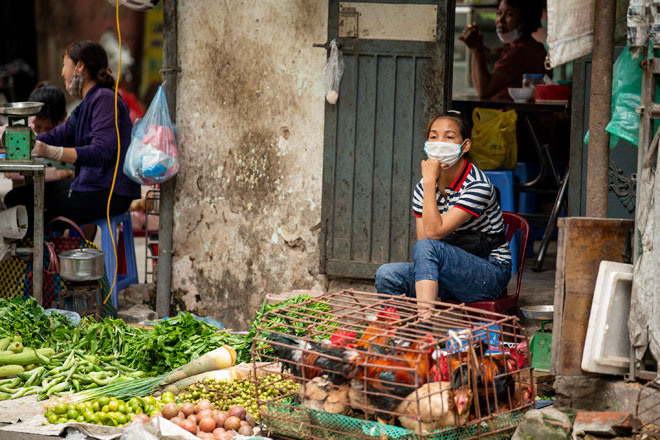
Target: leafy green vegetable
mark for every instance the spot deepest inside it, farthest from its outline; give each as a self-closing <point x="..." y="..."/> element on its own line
<point x="175" y="342"/>
<point x="28" y="318"/>
<point x="172" y="343"/>
<point x="297" y="317"/>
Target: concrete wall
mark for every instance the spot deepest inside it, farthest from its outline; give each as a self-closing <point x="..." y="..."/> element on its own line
<point x="250" y="108"/>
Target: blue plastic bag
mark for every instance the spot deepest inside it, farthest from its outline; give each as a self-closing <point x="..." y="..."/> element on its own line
<point x="152" y="157"/>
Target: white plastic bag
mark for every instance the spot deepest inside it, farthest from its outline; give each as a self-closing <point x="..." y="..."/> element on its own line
<point x="152" y="157"/>
<point x="334" y="68"/>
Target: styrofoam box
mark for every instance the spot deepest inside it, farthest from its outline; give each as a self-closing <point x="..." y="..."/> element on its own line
<point x="607" y="345"/>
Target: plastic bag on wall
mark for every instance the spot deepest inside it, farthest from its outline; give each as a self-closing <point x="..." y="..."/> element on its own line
<point x="626" y="91"/>
<point x="334" y="68"/>
<point x="152" y="157"/>
<point x="494" y="141"/>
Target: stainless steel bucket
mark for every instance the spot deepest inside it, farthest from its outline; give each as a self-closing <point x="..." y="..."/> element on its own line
<point x="82" y="264"/>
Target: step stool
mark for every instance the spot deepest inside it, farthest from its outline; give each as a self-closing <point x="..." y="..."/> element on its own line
<point x="527" y="200"/>
<point x="503" y="181"/>
<point x="127" y="256"/>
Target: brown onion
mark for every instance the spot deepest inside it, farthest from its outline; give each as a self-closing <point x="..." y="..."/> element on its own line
<point x="207" y="424"/>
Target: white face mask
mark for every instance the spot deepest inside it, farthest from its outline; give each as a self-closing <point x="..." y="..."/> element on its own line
<point x="446" y="152"/>
<point x="508" y="37"/>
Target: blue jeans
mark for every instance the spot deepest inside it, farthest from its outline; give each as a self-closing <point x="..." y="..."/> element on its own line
<point x="461" y="276"/>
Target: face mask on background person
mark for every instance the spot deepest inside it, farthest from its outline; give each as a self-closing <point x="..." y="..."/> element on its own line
<point x="76" y="84"/>
<point x="508" y="37"/>
<point x="445" y="152"/>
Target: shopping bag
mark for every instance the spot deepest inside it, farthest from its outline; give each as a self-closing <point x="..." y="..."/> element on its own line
<point x="152" y="157"/>
<point x="494" y="142"/>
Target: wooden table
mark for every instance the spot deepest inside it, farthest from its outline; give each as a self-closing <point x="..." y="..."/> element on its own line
<point x="36" y="169"/>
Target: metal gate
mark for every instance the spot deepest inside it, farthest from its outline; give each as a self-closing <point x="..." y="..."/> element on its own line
<point x="397" y="73"/>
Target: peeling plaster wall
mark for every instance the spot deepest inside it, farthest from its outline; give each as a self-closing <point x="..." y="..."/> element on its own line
<point x="250" y="108"/>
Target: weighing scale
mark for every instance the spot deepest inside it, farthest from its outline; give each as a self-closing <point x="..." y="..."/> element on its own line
<point x="18" y="138"/>
<point x="541" y="343"/>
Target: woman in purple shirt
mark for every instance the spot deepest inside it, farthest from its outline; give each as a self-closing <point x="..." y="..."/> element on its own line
<point x="87" y="139"/>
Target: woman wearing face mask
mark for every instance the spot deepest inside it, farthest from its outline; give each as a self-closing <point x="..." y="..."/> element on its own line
<point x="88" y="139"/>
<point x="461" y="252"/>
<point x="516" y="20"/>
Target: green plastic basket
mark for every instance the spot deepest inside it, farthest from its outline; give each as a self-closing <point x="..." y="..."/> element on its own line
<point x="304" y="423"/>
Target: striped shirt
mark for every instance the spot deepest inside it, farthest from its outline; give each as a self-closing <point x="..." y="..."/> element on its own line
<point x="473" y="193"/>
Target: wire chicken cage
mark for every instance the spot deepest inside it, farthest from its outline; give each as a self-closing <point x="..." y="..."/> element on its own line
<point x="648" y="401"/>
<point x="372" y="365"/>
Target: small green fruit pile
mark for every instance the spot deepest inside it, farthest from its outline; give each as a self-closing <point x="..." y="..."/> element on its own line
<point x="225" y="395"/>
<point x="108" y="411"/>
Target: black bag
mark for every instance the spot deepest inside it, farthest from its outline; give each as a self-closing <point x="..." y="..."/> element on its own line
<point x="475" y="242"/>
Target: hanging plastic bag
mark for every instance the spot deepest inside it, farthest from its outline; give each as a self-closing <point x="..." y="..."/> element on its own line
<point x="152" y="157"/>
<point x="334" y="68"/>
<point x="494" y="142"/>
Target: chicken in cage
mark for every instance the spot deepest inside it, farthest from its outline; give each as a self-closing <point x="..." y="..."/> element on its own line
<point x="389" y="366"/>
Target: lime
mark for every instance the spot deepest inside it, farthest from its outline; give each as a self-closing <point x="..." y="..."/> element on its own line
<point x="62" y="420"/>
<point x="89" y="416"/>
<point x="52" y="418"/>
<point x="72" y="414"/>
<point x="134" y="401"/>
<point x="96" y="407"/>
<point x="105" y="408"/>
<point x="113" y="405"/>
<point x="60" y="408"/>
<point x="80" y="419"/>
<point x="121" y="419"/>
<point x="149" y="400"/>
<point x="122" y="407"/>
<point x="167" y="397"/>
<point x="103" y="401"/>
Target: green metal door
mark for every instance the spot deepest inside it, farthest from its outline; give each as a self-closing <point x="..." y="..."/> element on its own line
<point x="374" y="135"/>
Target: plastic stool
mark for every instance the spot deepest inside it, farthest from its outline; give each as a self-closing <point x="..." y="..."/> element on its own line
<point x="503" y="181"/>
<point x="131" y="275"/>
<point x="526" y="199"/>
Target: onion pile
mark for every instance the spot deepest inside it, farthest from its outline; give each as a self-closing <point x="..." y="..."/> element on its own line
<point x="206" y="423"/>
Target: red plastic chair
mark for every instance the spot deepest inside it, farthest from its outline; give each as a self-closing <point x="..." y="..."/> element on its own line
<point x="508" y="305"/>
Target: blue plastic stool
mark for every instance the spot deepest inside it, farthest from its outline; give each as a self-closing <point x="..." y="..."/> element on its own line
<point x="131" y="275"/>
<point x="527" y="200"/>
<point x="503" y="181"/>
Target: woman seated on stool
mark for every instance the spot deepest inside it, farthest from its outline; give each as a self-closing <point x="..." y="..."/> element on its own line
<point x="87" y="139"/>
<point x="516" y="20"/>
<point x="454" y="203"/>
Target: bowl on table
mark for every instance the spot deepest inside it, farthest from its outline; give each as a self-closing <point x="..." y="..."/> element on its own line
<point x="521" y="94"/>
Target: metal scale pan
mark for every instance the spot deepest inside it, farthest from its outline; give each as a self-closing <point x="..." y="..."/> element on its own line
<point x="20" y="108"/>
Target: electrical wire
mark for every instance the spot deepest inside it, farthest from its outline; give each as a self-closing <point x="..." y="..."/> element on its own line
<point x="114" y="177"/>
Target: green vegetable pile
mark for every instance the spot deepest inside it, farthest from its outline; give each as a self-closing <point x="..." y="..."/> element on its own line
<point x="28" y="319"/>
<point x="308" y="312"/>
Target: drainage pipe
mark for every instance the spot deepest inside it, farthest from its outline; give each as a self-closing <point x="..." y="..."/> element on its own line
<point x="600" y="99"/>
<point x="166" y="221"/>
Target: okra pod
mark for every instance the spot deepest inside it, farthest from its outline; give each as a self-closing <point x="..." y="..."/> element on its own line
<point x="57" y="388"/>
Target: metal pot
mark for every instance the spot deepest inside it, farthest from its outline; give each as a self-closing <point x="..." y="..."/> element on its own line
<point x="82" y="264"/>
